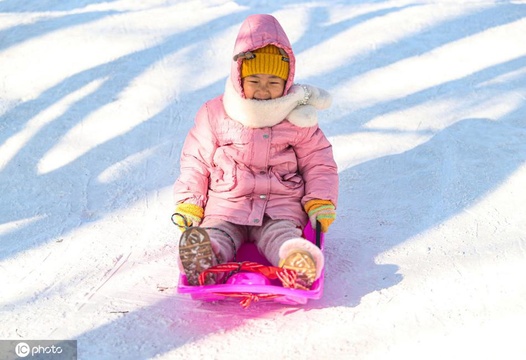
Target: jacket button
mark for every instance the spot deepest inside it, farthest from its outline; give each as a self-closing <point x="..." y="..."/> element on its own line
<point x="265" y="136"/>
<point x="256" y="221"/>
<point x="262" y="196"/>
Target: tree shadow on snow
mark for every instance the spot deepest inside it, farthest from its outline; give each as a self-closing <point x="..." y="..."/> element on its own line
<point x="65" y="198"/>
<point x="396" y="197"/>
<point x="393" y="198"/>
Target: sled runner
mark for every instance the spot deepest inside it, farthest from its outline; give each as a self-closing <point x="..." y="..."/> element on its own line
<point x="251" y="278"/>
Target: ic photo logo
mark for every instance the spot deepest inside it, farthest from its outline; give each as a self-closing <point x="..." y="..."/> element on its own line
<point x="22" y="349"/>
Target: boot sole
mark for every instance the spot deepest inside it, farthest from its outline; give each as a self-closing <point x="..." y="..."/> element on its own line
<point x="304" y="265"/>
<point x="195" y="252"/>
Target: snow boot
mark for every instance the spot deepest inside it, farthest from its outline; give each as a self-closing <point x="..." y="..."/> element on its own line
<point x="196" y="255"/>
<point x="303" y="257"/>
<point x="302" y="262"/>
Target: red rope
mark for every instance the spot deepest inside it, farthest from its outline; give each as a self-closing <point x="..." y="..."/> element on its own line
<point x="286" y="276"/>
<point x="247" y="297"/>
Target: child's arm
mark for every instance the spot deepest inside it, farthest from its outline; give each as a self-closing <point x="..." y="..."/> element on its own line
<point x="195" y="163"/>
<point x="320" y="175"/>
<point x="317" y="167"/>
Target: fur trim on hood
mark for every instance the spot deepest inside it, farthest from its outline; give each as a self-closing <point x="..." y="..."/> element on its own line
<point x="299" y="106"/>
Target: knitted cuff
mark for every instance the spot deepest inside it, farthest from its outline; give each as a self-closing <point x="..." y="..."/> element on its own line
<point x="316" y="203"/>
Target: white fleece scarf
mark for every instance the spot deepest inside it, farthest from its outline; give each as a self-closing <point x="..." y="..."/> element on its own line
<point x="299" y="107"/>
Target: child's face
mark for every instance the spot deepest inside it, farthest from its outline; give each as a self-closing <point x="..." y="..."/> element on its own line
<point x="263" y="86"/>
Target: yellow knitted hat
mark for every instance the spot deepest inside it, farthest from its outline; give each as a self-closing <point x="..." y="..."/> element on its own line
<point x="266" y="60"/>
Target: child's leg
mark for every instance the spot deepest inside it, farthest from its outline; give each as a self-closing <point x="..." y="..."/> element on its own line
<point x="271" y="235"/>
<point x="226" y="238"/>
<point x="281" y="243"/>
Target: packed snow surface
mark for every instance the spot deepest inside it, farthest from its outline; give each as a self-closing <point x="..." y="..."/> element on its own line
<point x="427" y="259"/>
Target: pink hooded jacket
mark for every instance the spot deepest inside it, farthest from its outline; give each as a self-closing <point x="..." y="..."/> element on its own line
<point x="245" y="158"/>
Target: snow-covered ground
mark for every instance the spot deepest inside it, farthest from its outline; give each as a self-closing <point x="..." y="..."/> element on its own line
<point x="427" y="259"/>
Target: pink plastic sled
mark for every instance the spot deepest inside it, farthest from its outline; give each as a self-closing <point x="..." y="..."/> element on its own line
<point x="249" y="286"/>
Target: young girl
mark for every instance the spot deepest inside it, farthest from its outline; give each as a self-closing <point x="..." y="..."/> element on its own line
<point x="255" y="166"/>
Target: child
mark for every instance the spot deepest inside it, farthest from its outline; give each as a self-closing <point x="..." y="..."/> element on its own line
<point x="255" y="166"/>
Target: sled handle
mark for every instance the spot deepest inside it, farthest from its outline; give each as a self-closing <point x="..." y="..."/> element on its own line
<point x="318" y="234"/>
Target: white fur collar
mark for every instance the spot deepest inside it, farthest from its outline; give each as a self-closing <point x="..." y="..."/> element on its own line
<point x="299" y="107"/>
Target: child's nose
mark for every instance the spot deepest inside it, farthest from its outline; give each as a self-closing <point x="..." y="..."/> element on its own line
<point x="263" y="92"/>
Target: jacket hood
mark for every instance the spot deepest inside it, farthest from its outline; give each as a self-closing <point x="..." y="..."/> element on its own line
<point x="256" y="32"/>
